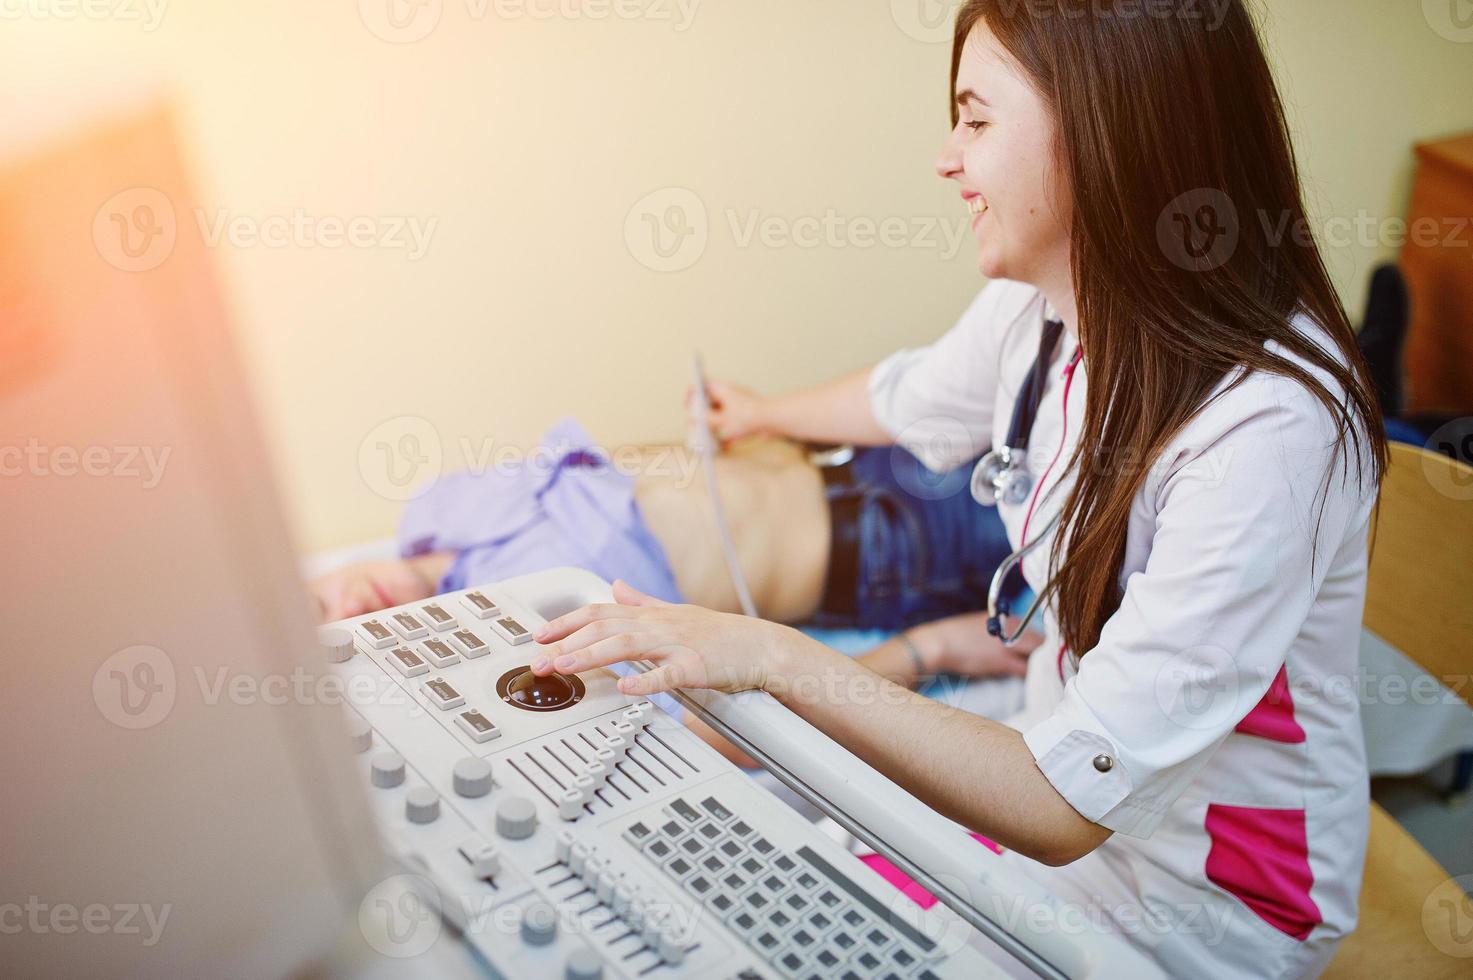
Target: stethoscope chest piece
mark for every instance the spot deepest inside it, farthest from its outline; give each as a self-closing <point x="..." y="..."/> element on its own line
<point x="1002" y="477"/>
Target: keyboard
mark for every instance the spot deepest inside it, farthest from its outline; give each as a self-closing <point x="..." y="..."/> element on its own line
<point x="567" y="830"/>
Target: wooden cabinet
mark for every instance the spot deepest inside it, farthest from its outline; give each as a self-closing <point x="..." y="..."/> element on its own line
<point x="1438" y="262"/>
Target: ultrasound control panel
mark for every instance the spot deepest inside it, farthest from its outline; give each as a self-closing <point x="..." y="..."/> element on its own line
<point x="567" y="830"/>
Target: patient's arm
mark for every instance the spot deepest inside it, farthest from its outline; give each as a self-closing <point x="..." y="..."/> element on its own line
<point x="369" y="586"/>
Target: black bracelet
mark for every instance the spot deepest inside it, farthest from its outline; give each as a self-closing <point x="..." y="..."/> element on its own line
<point x="915" y="655"/>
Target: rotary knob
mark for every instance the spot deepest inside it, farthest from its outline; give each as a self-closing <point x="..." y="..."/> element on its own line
<point x="337" y="644"/>
<point x="360" y="734"/>
<point x="388" y="770"/>
<point x="539" y="924"/>
<point x="422" y="805"/>
<point x="583" y="964"/>
<point x="472" y="777"/>
<point x="516" y="818"/>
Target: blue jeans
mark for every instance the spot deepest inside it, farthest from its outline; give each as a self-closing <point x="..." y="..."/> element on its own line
<point x="926" y="549"/>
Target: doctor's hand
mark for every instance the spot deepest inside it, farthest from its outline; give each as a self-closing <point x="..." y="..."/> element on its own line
<point x="690" y="646"/>
<point x="736" y="412"/>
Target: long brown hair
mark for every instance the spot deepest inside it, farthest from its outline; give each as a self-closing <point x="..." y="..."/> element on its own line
<point x="1157" y="114"/>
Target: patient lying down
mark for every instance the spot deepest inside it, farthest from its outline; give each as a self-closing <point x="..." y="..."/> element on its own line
<point x="878" y="543"/>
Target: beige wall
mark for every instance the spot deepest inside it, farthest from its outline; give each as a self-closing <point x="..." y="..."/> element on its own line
<point x="528" y="142"/>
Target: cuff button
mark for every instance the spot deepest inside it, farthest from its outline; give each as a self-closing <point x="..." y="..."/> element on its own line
<point x="1103" y="763"/>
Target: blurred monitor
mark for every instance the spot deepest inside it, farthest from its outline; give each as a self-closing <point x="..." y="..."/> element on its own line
<point x="165" y="812"/>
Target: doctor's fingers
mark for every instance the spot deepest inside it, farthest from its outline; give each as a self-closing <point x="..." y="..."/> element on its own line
<point x="565" y="625"/>
<point x="656" y="681"/>
<point x="627" y="645"/>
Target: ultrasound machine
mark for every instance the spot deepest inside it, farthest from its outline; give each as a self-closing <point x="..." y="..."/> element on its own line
<point x="394" y="794"/>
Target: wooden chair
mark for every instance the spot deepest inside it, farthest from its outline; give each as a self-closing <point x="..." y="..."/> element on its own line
<point x="1420" y="600"/>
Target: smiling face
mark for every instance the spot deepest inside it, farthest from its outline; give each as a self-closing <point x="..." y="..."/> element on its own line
<point x="1001" y="154"/>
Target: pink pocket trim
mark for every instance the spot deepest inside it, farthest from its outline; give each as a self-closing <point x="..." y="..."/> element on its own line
<point x="905" y="883"/>
<point x="1262" y="858"/>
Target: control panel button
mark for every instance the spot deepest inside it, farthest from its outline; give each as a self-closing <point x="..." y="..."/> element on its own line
<point x="583" y="964"/>
<point x="470" y="644"/>
<point x="482" y="607"/>
<point x="437" y="617"/>
<point x="376" y="634"/>
<point x="336" y="643"/>
<point x="360" y="734"/>
<point x="472" y="777"/>
<point x="484" y="858"/>
<point x="422" y="805"/>
<point x="439" y="652"/>
<point x="539" y="924"/>
<point x="407" y="625"/>
<point x="409" y="663"/>
<point x="511" y="631"/>
<point x="477" y="726"/>
<point x="570" y="805"/>
<point x="442" y="695"/>
<point x="516" y="818"/>
<point x="388" y="770"/>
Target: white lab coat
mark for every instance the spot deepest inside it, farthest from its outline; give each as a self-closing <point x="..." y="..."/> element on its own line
<point x="1215" y="728"/>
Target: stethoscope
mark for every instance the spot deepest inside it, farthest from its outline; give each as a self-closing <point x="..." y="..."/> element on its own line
<point x="1003" y="476"/>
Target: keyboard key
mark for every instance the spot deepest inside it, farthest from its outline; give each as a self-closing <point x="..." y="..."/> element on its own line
<point x="742" y="829"/>
<point x="763" y="846"/>
<point x="752" y="866"/>
<point x="784" y="864"/>
<point x="722" y="903"/>
<point x="774" y="885"/>
<point x="436" y="616"/>
<point x="439" y="653"/>
<point x="780" y="920"/>
<point x="744" y="923"/>
<point x="685" y="811"/>
<point x="672" y="829"/>
<point x="805" y="938"/>
<point x="637" y="833"/>
<point x="377" y="634"/>
<point x="407" y="625"/>
<point x="713" y="864"/>
<point x="768" y="943"/>
<point x="735" y="881"/>
<point x="867" y="960"/>
<point x="792" y="962"/>
<point x="733" y="851"/>
<point x="511" y="631"/>
<point x="659" y="849"/>
<point x="843" y="940"/>
<point x="409" y="663"/>
<point x="830" y="899"/>
<point x="853" y="918"/>
<point x="477" y="726"/>
<point x="903" y="958"/>
<point x="797" y="903"/>
<point x="442" y="695"/>
<point x="692" y="847"/>
<point x="712" y="806"/>
<point x="470" y="644"/>
<point x="700" y="885"/>
<point x="756" y="901"/>
<point x="821" y="922"/>
<point x="826" y="958"/>
<point x="679" y="868"/>
<point x="482" y="607"/>
<point x="708" y="831"/>
<point x="806" y="880"/>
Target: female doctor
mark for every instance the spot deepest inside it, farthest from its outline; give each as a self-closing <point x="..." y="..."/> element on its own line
<point x="1178" y="389"/>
